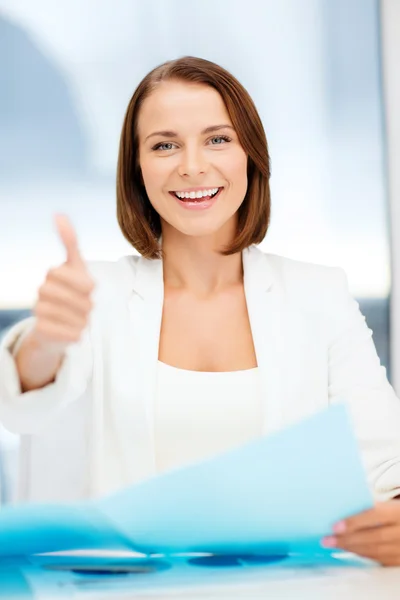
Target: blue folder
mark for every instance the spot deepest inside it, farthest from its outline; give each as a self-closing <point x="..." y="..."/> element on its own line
<point x="278" y="494"/>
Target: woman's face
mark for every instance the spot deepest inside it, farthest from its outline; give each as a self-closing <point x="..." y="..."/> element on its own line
<point x="193" y="166"/>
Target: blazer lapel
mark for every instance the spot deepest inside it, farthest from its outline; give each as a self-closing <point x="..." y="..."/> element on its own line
<point x="264" y="303"/>
<point x="146" y="304"/>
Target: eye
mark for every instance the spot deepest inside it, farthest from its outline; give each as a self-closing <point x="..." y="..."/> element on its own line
<point x="218" y="140"/>
<point x="164" y="146"/>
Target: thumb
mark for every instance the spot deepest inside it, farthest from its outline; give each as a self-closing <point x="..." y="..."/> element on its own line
<point x="68" y="237"/>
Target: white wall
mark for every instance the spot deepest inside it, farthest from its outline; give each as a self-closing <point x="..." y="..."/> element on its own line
<point x="390" y="14"/>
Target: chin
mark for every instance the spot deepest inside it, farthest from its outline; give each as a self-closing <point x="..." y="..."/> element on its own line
<point x="201" y="231"/>
<point x="201" y="228"/>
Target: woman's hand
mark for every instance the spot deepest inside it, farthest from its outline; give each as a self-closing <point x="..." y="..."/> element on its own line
<point x="62" y="313"/>
<point x="373" y="534"/>
<point x="64" y="300"/>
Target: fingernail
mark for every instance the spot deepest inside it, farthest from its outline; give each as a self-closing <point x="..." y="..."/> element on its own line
<point x="329" y="542"/>
<point x="339" y="527"/>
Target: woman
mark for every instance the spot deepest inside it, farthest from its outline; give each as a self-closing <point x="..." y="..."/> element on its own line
<point x="203" y="342"/>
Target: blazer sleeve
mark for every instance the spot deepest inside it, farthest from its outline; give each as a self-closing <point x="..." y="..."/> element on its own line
<point x="357" y="376"/>
<point x="30" y="412"/>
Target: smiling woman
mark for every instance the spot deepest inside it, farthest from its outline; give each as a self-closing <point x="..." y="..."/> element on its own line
<point x="193" y="163"/>
<point x="190" y="129"/>
<point x="203" y="342"/>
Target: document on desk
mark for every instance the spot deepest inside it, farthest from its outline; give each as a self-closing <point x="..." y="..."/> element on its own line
<point x="275" y="495"/>
<point x="75" y="577"/>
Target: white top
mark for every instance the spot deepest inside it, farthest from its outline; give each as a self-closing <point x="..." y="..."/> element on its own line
<point x="92" y="430"/>
<point x="200" y="414"/>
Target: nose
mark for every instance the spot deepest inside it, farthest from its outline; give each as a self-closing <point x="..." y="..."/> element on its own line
<point x="193" y="163"/>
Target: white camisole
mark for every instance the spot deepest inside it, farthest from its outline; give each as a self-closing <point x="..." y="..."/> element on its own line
<point x="200" y="414"/>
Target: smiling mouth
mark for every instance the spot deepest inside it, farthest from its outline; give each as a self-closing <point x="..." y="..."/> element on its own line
<point x="199" y="196"/>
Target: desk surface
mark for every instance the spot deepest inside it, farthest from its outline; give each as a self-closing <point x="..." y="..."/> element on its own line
<point x="292" y="579"/>
<point x="381" y="584"/>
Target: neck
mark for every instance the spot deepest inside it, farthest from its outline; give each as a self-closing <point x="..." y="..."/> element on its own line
<point x="197" y="265"/>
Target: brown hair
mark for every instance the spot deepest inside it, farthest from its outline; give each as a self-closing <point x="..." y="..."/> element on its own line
<point x="138" y="220"/>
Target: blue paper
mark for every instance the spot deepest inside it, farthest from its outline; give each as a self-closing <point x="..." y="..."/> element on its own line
<point x="275" y="495"/>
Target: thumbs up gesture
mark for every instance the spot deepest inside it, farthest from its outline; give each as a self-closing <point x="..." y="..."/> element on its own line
<point x="64" y="299"/>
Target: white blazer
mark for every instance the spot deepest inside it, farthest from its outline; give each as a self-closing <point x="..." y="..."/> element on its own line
<point x="91" y="431"/>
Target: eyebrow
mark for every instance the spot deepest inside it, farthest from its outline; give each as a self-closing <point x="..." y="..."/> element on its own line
<point x="172" y="134"/>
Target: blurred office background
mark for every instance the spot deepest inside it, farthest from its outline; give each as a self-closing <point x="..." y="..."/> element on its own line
<point x="315" y="70"/>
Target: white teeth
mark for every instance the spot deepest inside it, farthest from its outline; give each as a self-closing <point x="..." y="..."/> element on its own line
<point x="199" y="194"/>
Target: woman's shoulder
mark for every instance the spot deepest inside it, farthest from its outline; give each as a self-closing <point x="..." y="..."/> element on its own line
<point x="293" y="270"/>
<point x="114" y="278"/>
<point x="119" y="270"/>
<point x="303" y="279"/>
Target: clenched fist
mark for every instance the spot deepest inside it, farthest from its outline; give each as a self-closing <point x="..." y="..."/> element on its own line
<point x="64" y="300"/>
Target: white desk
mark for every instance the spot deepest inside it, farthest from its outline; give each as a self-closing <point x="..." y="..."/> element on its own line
<point x="377" y="585"/>
<point x="289" y="580"/>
